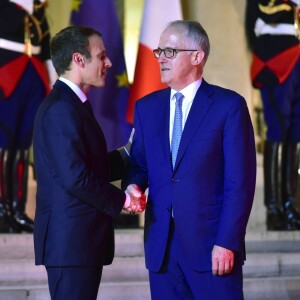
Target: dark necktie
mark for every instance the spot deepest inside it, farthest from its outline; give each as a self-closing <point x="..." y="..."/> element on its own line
<point x="177" y="127"/>
<point x="88" y="106"/>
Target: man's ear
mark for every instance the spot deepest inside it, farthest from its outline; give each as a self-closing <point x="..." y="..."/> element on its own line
<point x="198" y="57"/>
<point x="78" y="59"/>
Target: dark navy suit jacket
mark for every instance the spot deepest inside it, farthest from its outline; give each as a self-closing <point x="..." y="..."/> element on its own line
<point x="212" y="186"/>
<point x="75" y="202"/>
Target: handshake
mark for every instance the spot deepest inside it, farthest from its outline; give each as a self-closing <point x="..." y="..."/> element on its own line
<point x="137" y="200"/>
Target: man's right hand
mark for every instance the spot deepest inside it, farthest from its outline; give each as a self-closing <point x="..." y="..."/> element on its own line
<point x="222" y="260"/>
<point x="137" y="199"/>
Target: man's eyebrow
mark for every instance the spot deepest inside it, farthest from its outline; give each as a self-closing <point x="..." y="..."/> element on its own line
<point x="101" y="53"/>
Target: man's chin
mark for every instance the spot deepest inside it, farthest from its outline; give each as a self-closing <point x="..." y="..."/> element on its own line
<point x="164" y="80"/>
<point x="100" y="84"/>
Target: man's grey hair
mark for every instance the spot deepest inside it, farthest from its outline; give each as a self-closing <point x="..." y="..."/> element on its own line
<point x="196" y="35"/>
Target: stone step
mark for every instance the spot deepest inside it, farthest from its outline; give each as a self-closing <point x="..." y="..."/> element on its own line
<point x="112" y="291"/>
<point x="284" y="288"/>
<point x="272" y="265"/>
<point x="272" y="269"/>
<point x="129" y="242"/>
<point x="23" y="271"/>
<point x="129" y="269"/>
<point x="268" y="254"/>
<point x="272" y="241"/>
<point x="272" y="288"/>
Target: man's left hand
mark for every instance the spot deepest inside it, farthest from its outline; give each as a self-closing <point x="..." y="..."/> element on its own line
<point x="222" y="260"/>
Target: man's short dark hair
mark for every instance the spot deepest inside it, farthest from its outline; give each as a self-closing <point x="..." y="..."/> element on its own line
<point x="68" y="41"/>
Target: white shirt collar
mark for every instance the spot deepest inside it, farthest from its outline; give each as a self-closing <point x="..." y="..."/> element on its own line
<point x="188" y="92"/>
<point x="75" y="88"/>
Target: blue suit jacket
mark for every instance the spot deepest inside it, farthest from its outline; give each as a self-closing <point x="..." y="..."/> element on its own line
<point x="75" y="202"/>
<point x="212" y="186"/>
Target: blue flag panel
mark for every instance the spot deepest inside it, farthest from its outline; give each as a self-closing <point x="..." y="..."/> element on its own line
<point x="109" y="103"/>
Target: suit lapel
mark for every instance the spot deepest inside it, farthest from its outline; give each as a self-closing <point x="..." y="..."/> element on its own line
<point x="162" y="120"/>
<point x="80" y="106"/>
<point x="200" y="107"/>
<point x="165" y="142"/>
<point x="166" y="130"/>
<point x="90" y="116"/>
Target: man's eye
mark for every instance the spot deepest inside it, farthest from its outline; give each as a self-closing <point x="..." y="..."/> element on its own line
<point x="168" y="51"/>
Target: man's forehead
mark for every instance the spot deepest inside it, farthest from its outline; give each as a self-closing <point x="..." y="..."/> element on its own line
<point x="96" y="40"/>
<point x="171" y="38"/>
<point x="96" y="44"/>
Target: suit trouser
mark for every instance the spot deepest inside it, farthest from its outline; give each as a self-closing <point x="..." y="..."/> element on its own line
<point x="178" y="281"/>
<point x="74" y="283"/>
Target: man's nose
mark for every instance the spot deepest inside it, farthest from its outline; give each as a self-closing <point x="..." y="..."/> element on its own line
<point x="108" y="62"/>
<point x="162" y="57"/>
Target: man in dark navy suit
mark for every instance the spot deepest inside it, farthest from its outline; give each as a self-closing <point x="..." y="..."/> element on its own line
<point x="194" y="148"/>
<point x="76" y="204"/>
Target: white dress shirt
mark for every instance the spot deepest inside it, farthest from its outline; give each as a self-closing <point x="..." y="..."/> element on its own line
<point x="75" y="88"/>
<point x="189" y="93"/>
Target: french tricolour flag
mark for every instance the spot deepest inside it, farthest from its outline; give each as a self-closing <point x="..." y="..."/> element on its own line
<point x="156" y="15"/>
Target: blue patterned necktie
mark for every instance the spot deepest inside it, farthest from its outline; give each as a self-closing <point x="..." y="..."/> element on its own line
<point x="177" y="127"/>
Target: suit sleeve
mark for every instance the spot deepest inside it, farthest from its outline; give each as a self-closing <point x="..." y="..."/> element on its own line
<point x="117" y="166"/>
<point x="137" y="173"/>
<point x="239" y="176"/>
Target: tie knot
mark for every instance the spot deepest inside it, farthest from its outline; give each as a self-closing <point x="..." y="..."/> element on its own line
<point x="179" y="97"/>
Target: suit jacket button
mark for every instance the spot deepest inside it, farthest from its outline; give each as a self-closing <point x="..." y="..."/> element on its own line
<point x="174" y="180"/>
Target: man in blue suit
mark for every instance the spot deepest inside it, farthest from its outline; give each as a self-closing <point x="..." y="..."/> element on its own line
<point x="194" y="148"/>
<point x="75" y="203"/>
